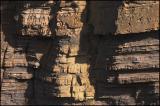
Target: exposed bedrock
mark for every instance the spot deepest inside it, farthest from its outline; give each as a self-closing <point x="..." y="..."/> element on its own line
<point x="78" y="52"/>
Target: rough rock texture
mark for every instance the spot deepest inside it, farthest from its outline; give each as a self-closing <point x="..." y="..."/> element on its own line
<point x="125" y="17"/>
<point x="78" y="52"/>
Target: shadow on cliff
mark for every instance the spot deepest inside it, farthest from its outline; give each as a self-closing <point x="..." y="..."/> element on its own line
<point x="29" y="46"/>
<point x="88" y="48"/>
<point x="96" y="44"/>
<point x="9" y="26"/>
<point x="93" y="47"/>
<point x="99" y="23"/>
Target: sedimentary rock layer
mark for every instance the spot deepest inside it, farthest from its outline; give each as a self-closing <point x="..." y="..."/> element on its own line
<point x="80" y="52"/>
<point x="131" y="17"/>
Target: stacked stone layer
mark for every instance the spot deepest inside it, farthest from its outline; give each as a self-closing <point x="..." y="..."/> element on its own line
<point x="78" y="52"/>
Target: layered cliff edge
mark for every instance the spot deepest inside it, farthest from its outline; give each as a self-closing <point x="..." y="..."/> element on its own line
<point x="78" y="52"/>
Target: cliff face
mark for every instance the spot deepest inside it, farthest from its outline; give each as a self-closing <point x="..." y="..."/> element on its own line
<point x="78" y="52"/>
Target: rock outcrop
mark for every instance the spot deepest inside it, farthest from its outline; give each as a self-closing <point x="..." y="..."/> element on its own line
<point x="80" y="52"/>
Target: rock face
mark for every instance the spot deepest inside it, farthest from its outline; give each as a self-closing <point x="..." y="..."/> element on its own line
<point x="78" y="52"/>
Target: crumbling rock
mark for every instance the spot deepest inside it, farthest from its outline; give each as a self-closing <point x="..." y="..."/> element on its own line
<point x="80" y="53"/>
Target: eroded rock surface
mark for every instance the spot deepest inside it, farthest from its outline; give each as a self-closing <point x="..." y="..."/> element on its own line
<point x="78" y="52"/>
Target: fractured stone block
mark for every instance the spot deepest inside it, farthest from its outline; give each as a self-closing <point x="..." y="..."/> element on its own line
<point x="138" y="77"/>
<point x="11" y="84"/>
<point x="78" y="93"/>
<point x="18" y="73"/>
<point x="78" y="68"/>
<point x="60" y="68"/>
<point x="64" y="79"/>
<point x="74" y="68"/>
<point x="124" y="18"/>
<point x="148" y="44"/>
<point x="137" y="18"/>
<point x="35" y="22"/>
<point x="63" y="91"/>
<point x="136" y="61"/>
<point x="69" y="21"/>
<point x="76" y="5"/>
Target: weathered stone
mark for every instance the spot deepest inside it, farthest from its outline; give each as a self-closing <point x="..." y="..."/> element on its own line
<point x="63" y="91"/>
<point x="64" y="80"/>
<point x="15" y="60"/>
<point x="134" y="18"/>
<point x="78" y="93"/>
<point x="129" y="62"/>
<point x="90" y="92"/>
<point x="35" y="22"/>
<point x="61" y="59"/>
<point x="66" y="52"/>
<point x="68" y="32"/>
<point x="2" y="72"/>
<point x="74" y="68"/>
<point x="123" y="18"/>
<point x="145" y="45"/>
<point x="60" y="68"/>
<point x="18" y="73"/>
<point x="71" y="20"/>
<point x="3" y="48"/>
<point x="73" y="50"/>
<point x="14" y="85"/>
<point x="138" y="77"/>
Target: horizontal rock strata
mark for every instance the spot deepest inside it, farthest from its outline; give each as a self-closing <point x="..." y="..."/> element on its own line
<point x="80" y="53"/>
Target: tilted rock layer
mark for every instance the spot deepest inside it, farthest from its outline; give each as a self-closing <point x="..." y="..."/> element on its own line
<point x="80" y="52"/>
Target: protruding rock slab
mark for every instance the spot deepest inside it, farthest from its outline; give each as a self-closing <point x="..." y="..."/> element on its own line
<point x="124" y="17"/>
<point x="138" y="77"/>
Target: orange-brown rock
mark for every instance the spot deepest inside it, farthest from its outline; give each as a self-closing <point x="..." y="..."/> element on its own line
<point x="80" y="52"/>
